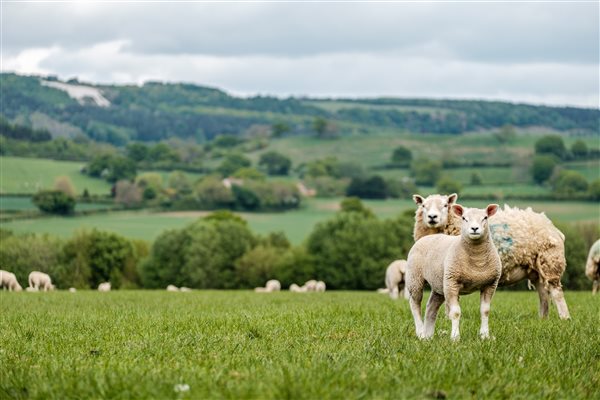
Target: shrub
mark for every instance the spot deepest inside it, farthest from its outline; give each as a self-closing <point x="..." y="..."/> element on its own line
<point x="551" y="145"/>
<point x="127" y="193"/>
<point x="401" y="188"/>
<point x="476" y="179"/>
<point x="245" y="199"/>
<point x="543" y="167"/>
<point x="576" y="254"/>
<point x="353" y="204"/>
<point x="426" y="172"/>
<point x="327" y="186"/>
<point x="232" y="163"/>
<point x="401" y="157"/>
<point x="579" y="149"/>
<point x="257" y="266"/>
<point x="249" y="173"/>
<point x="448" y="185"/>
<point x="370" y="188"/>
<point x="54" y="202"/>
<point x="506" y="134"/>
<point x="211" y="193"/>
<point x="64" y="184"/>
<point x="569" y="183"/>
<point x="594" y="190"/>
<point x="275" y="163"/>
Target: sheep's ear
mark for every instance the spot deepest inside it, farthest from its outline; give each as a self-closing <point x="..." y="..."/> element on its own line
<point x="418" y="199"/>
<point x="491" y="209"/>
<point x="458" y="209"/>
<point x="452" y="198"/>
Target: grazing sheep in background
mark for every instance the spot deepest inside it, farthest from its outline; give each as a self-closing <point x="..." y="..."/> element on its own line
<point x="272" y="285"/>
<point x="530" y="246"/>
<point x="310" y="286"/>
<point x="172" y="288"/>
<point x="185" y="289"/>
<point x="592" y="266"/>
<point x="104" y="287"/>
<point x="320" y="286"/>
<point x="40" y="281"/>
<point x="9" y="281"/>
<point x="383" y="290"/>
<point x="454" y="265"/>
<point x="72" y="290"/>
<point x="296" y="289"/>
<point x="30" y="289"/>
<point x="394" y="278"/>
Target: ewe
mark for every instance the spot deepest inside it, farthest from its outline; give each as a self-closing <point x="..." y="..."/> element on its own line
<point x="272" y="285"/>
<point x="320" y="286"/>
<point x="40" y="281"/>
<point x="592" y="266"/>
<point x="296" y="289"/>
<point x="8" y="280"/>
<point x="394" y="278"/>
<point x="310" y="286"/>
<point x="104" y="287"/>
<point x="454" y="265"/>
<point x="172" y="288"/>
<point x="530" y="246"/>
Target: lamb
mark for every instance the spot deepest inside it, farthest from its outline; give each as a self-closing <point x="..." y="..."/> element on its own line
<point x="592" y="266"/>
<point x="320" y="286"/>
<point x="272" y="285"/>
<point x="394" y="278"/>
<point x="530" y="246"/>
<point x="172" y="288"/>
<point x="454" y="265"/>
<point x="310" y="286"/>
<point x="296" y="289"/>
<point x="9" y="281"/>
<point x="40" y="281"/>
<point x="185" y="289"/>
<point x="72" y="290"/>
<point x="104" y="287"/>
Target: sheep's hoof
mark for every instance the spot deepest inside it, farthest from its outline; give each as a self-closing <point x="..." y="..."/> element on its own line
<point x="484" y="336"/>
<point x="455" y="338"/>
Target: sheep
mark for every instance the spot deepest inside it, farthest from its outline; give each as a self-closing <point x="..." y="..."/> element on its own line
<point x="104" y="287"/>
<point x="272" y="285"/>
<point x="454" y="265"/>
<point x="172" y="288"/>
<point x="185" y="289"/>
<point x="40" y="281"/>
<point x="592" y="266"/>
<point x="310" y="286"/>
<point x="394" y="278"/>
<point x="320" y="286"/>
<point x="9" y="281"/>
<point x="72" y="290"/>
<point x="30" y="289"/>
<point x="296" y="289"/>
<point x="383" y="290"/>
<point x="530" y="246"/>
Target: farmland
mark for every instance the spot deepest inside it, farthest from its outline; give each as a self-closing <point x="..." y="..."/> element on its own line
<point x="296" y="224"/>
<point x="239" y="344"/>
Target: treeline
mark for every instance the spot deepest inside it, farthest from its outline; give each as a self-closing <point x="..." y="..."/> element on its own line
<point x="20" y="132"/>
<point x="156" y="111"/>
<point x="350" y="251"/>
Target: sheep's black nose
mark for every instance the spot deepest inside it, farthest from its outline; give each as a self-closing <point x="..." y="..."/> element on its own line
<point x="474" y="229"/>
<point x="432" y="217"/>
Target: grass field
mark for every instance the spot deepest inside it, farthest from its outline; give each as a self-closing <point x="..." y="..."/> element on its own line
<point x="297" y="225"/>
<point x="22" y="203"/>
<point x="28" y="175"/>
<point x="142" y="344"/>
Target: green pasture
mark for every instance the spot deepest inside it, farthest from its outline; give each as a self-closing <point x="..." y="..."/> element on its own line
<point x="24" y="203"/>
<point x="297" y="224"/>
<point x="28" y="175"/>
<point x="241" y="344"/>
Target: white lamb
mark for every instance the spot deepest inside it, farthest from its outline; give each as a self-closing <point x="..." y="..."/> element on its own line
<point x="72" y="290"/>
<point x="40" y="281"/>
<point x="272" y="285"/>
<point x="9" y="281"/>
<point x="592" y="266"/>
<point x="104" y="287"/>
<point x="394" y="278"/>
<point x="310" y="286"/>
<point x="296" y="289"/>
<point x="320" y="286"/>
<point x="172" y="288"/>
<point x="454" y="265"/>
<point x="185" y="289"/>
<point x="530" y="246"/>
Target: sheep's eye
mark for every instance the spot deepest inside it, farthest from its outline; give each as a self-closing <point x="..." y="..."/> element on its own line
<point x="445" y="205"/>
<point x="464" y="219"/>
<point x="484" y="218"/>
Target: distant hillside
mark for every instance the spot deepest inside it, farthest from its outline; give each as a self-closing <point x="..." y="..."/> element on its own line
<point x="155" y="111"/>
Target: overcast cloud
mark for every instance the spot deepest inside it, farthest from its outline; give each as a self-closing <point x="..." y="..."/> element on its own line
<point x="544" y="53"/>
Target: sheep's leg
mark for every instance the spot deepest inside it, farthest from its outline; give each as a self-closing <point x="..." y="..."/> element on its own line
<point x="415" y="306"/>
<point x="394" y="293"/>
<point x="453" y="308"/>
<point x="543" y="293"/>
<point x="595" y="286"/>
<point x="431" y="312"/>
<point x="484" y="309"/>
<point x="559" y="299"/>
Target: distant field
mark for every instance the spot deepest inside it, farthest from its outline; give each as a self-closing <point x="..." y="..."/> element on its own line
<point x="296" y="224"/>
<point x="24" y="203"/>
<point x="240" y="344"/>
<point x="28" y="175"/>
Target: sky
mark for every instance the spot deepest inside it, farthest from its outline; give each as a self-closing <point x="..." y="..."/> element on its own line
<point x="534" y="52"/>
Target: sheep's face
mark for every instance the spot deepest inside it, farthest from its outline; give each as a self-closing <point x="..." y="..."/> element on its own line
<point x="434" y="209"/>
<point x="474" y="220"/>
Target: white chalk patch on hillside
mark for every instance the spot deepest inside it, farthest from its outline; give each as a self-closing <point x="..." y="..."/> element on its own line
<point x="80" y="93"/>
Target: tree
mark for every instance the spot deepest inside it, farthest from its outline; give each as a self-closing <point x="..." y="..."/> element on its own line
<point x="448" y="185"/>
<point x="275" y="163"/>
<point x="211" y="193"/>
<point x="551" y="145"/>
<point x="179" y="182"/>
<point x="64" y="184"/>
<point x="320" y="126"/>
<point x="426" y="172"/>
<point x="232" y="163"/>
<point x="279" y="128"/>
<point x="137" y="151"/>
<point x="54" y="202"/>
<point x="506" y="134"/>
<point x="121" y="168"/>
<point x="162" y="152"/>
<point x="353" y="204"/>
<point x="569" y="183"/>
<point x="370" y="188"/>
<point x="245" y="199"/>
<point x="476" y="179"/>
<point x="127" y="193"/>
<point x="594" y="190"/>
<point x="579" y="149"/>
<point x="249" y="173"/>
<point x="401" y="157"/>
<point x="257" y="266"/>
<point x="543" y="167"/>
